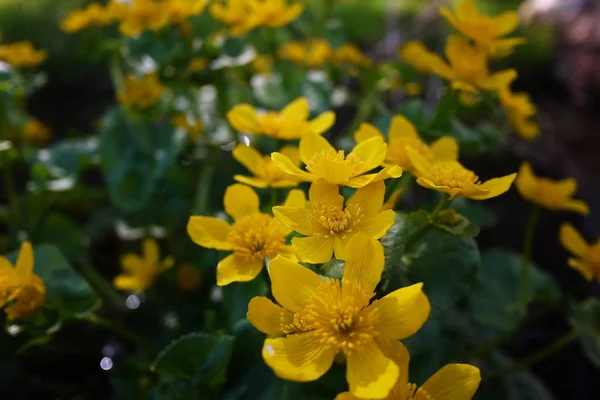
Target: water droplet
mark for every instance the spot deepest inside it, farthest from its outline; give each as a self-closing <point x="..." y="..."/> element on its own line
<point x="132" y="302"/>
<point x="270" y="349"/>
<point x="106" y="363"/>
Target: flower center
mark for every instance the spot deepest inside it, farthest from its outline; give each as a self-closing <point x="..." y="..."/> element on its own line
<point x="256" y="236"/>
<point x="334" y="166"/>
<point x="453" y="175"/>
<point x="415" y="393"/>
<point x="334" y="220"/>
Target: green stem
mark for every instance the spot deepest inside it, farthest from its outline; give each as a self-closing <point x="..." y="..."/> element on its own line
<point x="525" y="278"/>
<point x="102" y="288"/>
<point x="538" y="356"/>
<point x="116" y="73"/>
<point x="204" y="181"/>
<point x="124" y="332"/>
<point x="423" y="229"/>
<point x="441" y="206"/>
<point x="274" y="197"/>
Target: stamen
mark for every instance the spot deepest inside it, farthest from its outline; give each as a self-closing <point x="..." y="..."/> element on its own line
<point x="256" y="236"/>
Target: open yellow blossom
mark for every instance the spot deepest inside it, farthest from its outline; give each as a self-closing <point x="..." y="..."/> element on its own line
<point x="142" y="15"/>
<point x="349" y="54"/>
<point x="178" y="11"/>
<point x="36" y="132"/>
<point x="486" y="31"/>
<point x="520" y="109"/>
<point x="452" y="178"/>
<point x="324" y="162"/>
<point x="288" y="124"/>
<point x="253" y="236"/>
<point x="141" y="93"/>
<point x="549" y="193"/>
<point x="266" y="174"/>
<point x="311" y="53"/>
<point x="274" y="13"/>
<point x="22" y="54"/>
<point x="451" y="382"/>
<point x="193" y="128"/>
<point x="402" y="134"/>
<point x="22" y="292"/>
<point x="329" y="225"/>
<point x="318" y="318"/>
<point x="93" y="15"/>
<point x="586" y="256"/>
<point x="467" y="69"/>
<point x="140" y="272"/>
<point x="235" y="15"/>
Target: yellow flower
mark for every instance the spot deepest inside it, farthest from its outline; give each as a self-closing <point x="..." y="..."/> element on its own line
<point x="311" y="53"/>
<point x="93" y="15"/>
<point x="142" y="271"/>
<point x="586" y="256"/>
<point x="274" y="13"/>
<point x="141" y="93"/>
<point x="329" y="225"/>
<point x="467" y="69"/>
<point x="402" y="134"/>
<point x="178" y="11"/>
<point x="35" y="131"/>
<point x="319" y="318"/>
<point x="266" y="174"/>
<point x="22" y="55"/>
<point x="143" y="15"/>
<point x="262" y="64"/>
<point x="486" y="31"/>
<point x="193" y="128"/>
<point x="350" y="54"/>
<point x="188" y="278"/>
<point x="253" y="236"/>
<point x="197" y="64"/>
<point x="451" y="382"/>
<point x="22" y="292"/>
<point x="548" y="193"/>
<point x="235" y="14"/>
<point x="324" y="162"/>
<point x="452" y="178"/>
<point x="290" y="123"/>
<point x="519" y="109"/>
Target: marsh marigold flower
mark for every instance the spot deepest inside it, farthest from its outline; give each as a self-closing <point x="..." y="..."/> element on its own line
<point x="452" y="178"/>
<point x="349" y="54"/>
<point x="22" y="55"/>
<point x="253" y="236"/>
<point x="22" y="292"/>
<point x="275" y="13"/>
<point x="311" y="53"/>
<point x="36" y="132"/>
<point x="266" y="174"/>
<point x="329" y="225"/>
<point x="288" y="124"/>
<point x="402" y="134"/>
<point x="520" y="109"/>
<point x="586" y="256"/>
<point x="486" y="31"/>
<point x="451" y="382"/>
<point x="140" y="271"/>
<point x="235" y="15"/>
<point x="467" y="69"/>
<point x="93" y="15"/>
<point x="141" y="93"/>
<point x="324" y="162"/>
<point x="318" y="318"/>
<point x="549" y="193"/>
<point x="179" y="11"/>
<point x="142" y="15"/>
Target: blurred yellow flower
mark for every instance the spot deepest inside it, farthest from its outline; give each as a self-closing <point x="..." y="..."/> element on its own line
<point x="350" y="55"/>
<point x="22" y="54"/>
<point x="22" y="292"/>
<point x="311" y="53"/>
<point x="235" y="15"/>
<point x="451" y="382"/>
<point x="197" y="64"/>
<point x="467" y="68"/>
<point x="253" y="236"/>
<point x="266" y="174"/>
<point x="549" y="193"/>
<point x="586" y="256"/>
<point x="452" y="178"/>
<point x="36" y="132"/>
<point x="486" y="31"/>
<point x="93" y="15"/>
<point x="290" y="123"/>
<point x="402" y="134"/>
<point x="262" y="64"/>
<point x="142" y="15"/>
<point x="178" y="11"/>
<point x="141" y="93"/>
<point x="274" y="13"/>
<point x="319" y="318"/>
<point x="140" y="272"/>
<point x="193" y="128"/>
<point x="520" y="109"/>
<point x="328" y="225"/>
<point x="325" y="162"/>
<point x="189" y="278"/>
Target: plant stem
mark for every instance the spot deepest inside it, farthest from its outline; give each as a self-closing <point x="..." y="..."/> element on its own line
<point x="103" y="289"/>
<point x="274" y="196"/>
<point x="441" y="206"/>
<point x="536" y="357"/>
<point x="124" y="332"/>
<point x="525" y="278"/>
<point x="204" y="182"/>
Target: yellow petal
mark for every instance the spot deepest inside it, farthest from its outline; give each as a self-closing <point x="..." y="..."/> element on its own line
<point x="299" y="109"/>
<point x="526" y="181"/>
<point x="402" y="128"/>
<point x="397" y="352"/>
<point x="240" y="200"/>
<point x="5" y="264"/>
<point x="300" y="357"/>
<point x="445" y="149"/>
<point x="339" y="246"/>
<point x="294" y="218"/>
<point x="364" y="261"/>
<point x="453" y="382"/>
<point x="166" y="264"/>
<point x="151" y="252"/>
<point x="295" y="199"/>
<point x="370" y="374"/>
<point x="289" y="167"/>
<point x="466" y="10"/>
<point x="448" y="16"/>
<point x="316" y="249"/>
<point x="244" y="118"/>
<point x="24" y="265"/>
<point x="293" y="153"/>
<point x="291" y="13"/>
<point x="131" y="263"/>
<point x="376" y="226"/>
<point x="368" y="198"/>
<point x="209" y="232"/>
<point x="464" y="86"/>
<point x="494" y="187"/>
<point x="252" y="181"/>
<point x="371" y="151"/>
<point x="573" y="241"/>
<point x="392" y="171"/>
<point x="324" y="193"/>
<point x="504" y="47"/>
<point x="292" y="284"/>
<point x="234" y="268"/>
<point x="127" y="283"/>
<point x="585" y="268"/>
<point x="402" y="312"/>
<point x="286" y="183"/>
<point x="505" y="23"/>
<point x="312" y="144"/>
<point x="421" y="167"/>
<point x="499" y="80"/>
<point x="578" y="206"/>
<point x="346" y="396"/>
<point x="249" y="158"/>
<point x="366" y="131"/>
<point x="265" y="315"/>
<point x="567" y="187"/>
<point x="322" y="123"/>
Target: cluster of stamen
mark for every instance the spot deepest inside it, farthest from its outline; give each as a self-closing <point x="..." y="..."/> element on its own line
<point x="453" y="175"/>
<point x="415" y="393"/>
<point x="321" y="163"/>
<point x="256" y="236"/>
<point x="334" y="220"/>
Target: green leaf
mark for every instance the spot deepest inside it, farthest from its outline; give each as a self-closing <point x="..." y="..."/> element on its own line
<point x="319" y="93"/>
<point x="414" y="111"/>
<point x="476" y="211"/>
<point x="585" y="319"/>
<point x="196" y="355"/>
<point x="236" y="297"/>
<point x="69" y="156"/>
<point x="62" y="232"/>
<point x="456" y="224"/>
